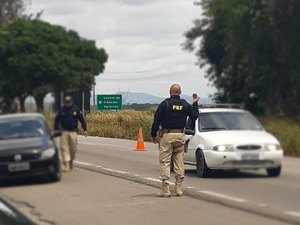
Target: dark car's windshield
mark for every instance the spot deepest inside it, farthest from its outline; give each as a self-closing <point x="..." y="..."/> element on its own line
<point x="25" y="128"/>
<point x="214" y="121"/>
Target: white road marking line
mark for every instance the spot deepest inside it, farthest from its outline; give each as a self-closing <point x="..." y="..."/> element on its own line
<point x="83" y="163"/>
<point x="171" y="183"/>
<point x="120" y="171"/>
<point x="293" y="213"/>
<point x="115" y="171"/>
<point x="111" y="170"/>
<point x="97" y="166"/>
<point x="152" y="179"/>
<point x="157" y="180"/>
<point x="231" y="198"/>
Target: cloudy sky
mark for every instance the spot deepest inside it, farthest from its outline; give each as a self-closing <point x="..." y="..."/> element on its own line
<point x="143" y="39"/>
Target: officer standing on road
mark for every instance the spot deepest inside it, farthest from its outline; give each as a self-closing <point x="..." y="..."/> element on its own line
<point x="171" y="116"/>
<point x="67" y="121"/>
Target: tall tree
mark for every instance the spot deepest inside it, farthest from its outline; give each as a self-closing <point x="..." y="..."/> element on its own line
<point x="10" y="10"/>
<point x="37" y="58"/>
<point x="250" y="48"/>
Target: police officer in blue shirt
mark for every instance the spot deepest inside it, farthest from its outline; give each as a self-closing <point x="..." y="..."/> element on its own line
<point x="67" y="120"/>
<point x="171" y="116"/>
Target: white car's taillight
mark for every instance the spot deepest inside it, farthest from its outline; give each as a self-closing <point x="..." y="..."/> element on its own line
<point x="223" y="148"/>
<point x="272" y="147"/>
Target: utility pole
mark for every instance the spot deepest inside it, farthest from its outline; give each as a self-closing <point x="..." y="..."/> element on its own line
<point x="61" y="99"/>
<point x="82" y="102"/>
<point x="94" y="96"/>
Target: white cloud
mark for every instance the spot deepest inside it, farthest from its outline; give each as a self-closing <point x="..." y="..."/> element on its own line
<point x="138" y="35"/>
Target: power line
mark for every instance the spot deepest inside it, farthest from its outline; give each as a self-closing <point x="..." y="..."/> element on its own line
<point x="145" y="77"/>
<point x="144" y="71"/>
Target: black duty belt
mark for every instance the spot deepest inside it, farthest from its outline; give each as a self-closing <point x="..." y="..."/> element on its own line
<point x="173" y="130"/>
<point x="69" y="130"/>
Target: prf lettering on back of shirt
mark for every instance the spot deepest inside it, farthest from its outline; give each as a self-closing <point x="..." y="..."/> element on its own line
<point x="177" y="107"/>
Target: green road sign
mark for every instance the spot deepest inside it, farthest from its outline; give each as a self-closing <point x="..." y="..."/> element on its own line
<point x="109" y="102"/>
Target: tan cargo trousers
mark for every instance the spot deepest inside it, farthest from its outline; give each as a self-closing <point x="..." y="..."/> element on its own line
<point x="171" y="144"/>
<point x="68" y="148"/>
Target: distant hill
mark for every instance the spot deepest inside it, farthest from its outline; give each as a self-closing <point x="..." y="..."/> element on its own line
<point x="143" y="98"/>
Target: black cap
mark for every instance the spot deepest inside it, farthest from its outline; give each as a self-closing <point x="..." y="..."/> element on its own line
<point x="68" y="99"/>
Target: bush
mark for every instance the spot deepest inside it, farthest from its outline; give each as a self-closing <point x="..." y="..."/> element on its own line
<point x="120" y="124"/>
<point x="287" y="131"/>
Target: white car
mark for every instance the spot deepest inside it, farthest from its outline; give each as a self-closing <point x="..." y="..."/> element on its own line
<point x="226" y="138"/>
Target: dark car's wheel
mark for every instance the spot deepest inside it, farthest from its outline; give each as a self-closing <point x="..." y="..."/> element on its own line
<point x="55" y="176"/>
<point x="202" y="169"/>
<point x="274" y="172"/>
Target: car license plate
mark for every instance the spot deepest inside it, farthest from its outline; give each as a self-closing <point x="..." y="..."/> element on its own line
<point x="250" y="156"/>
<point x="17" y="167"/>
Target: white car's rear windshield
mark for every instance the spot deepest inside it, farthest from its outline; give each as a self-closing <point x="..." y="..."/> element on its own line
<point x="213" y="121"/>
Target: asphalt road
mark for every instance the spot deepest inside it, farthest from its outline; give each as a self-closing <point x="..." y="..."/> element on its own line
<point x="87" y="196"/>
<point x="90" y="198"/>
<point x="255" y="187"/>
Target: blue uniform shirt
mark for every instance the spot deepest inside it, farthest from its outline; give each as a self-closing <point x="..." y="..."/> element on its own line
<point x="67" y="119"/>
<point x="172" y="114"/>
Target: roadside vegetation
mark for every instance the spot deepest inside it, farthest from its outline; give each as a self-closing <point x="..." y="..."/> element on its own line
<point x="122" y="124"/>
<point x="251" y="52"/>
<point x="125" y="124"/>
<point x="37" y="58"/>
<point x="287" y="131"/>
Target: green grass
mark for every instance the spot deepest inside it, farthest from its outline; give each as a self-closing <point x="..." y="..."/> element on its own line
<point x="125" y="124"/>
<point x="121" y="124"/>
<point x="287" y="131"/>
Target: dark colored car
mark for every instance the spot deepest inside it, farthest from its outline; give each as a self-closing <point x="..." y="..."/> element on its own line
<point x="27" y="147"/>
<point x="11" y="216"/>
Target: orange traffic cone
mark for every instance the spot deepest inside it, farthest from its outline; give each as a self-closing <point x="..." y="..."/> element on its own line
<point x="140" y="144"/>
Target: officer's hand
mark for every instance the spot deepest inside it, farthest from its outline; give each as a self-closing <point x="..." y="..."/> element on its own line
<point x="85" y="133"/>
<point x="195" y="98"/>
<point x="154" y="140"/>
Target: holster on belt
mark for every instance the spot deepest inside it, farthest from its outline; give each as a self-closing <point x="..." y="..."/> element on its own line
<point x="160" y="134"/>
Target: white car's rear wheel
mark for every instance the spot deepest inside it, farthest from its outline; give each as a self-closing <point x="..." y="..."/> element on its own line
<point x="202" y="169"/>
<point x="274" y="172"/>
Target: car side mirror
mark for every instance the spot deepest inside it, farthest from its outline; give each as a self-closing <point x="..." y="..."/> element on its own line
<point x="189" y="132"/>
<point x="56" y="133"/>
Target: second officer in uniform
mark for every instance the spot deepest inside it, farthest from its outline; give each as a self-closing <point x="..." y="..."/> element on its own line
<point x="171" y="116"/>
<point x="67" y="120"/>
